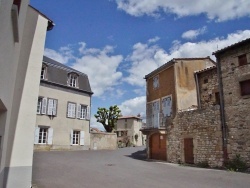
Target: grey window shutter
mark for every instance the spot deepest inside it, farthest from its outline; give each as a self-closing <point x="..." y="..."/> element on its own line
<point x="54" y="111"/>
<point x="37" y="130"/>
<point x="69" y="114"/>
<point x="82" y="138"/>
<point x="79" y="111"/>
<point x="50" y="106"/>
<point x="73" y="109"/>
<point x="50" y="136"/>
<point x="88" y="113"/>
<point x="71" y="137"/>
<point x="44" y="105"/>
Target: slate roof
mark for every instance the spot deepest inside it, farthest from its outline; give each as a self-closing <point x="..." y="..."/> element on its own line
<point x="57" y="74"/>
<point x="232" y="46"/>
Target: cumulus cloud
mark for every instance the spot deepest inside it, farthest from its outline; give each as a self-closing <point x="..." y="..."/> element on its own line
<point x="219" y="10"/>
<point x="193" y="34"/>
<point x="63" y="55"/>
<point x="134" y="106"/>
<point x="145" y="57"/>
<point x="99" y="64"/>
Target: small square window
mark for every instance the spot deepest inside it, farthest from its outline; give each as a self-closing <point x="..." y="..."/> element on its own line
<point x="242" y="60"/>
<point x="245" y="87"/>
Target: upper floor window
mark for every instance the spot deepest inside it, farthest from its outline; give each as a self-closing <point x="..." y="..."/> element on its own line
<point x="43" y="72"/>
<point x="71" y="110"/>
<point x="245" y="87"/>
<point x="242" y="60"/>
<point x="81" y="111"/>
<point x="156" y="82"/>
<point x="46" y="106"/>
<point x="73" y="80"/>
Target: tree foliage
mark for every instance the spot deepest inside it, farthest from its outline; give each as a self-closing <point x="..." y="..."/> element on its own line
<point x="108" y="117"/>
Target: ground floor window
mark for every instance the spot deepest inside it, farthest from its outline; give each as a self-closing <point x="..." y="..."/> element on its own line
<point x="43" y="135"/>
<point x="77" y="137"/>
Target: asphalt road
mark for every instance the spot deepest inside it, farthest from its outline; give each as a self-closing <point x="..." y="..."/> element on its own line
<point x="124" y="168"/>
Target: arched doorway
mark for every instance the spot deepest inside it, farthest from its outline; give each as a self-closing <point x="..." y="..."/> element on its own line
<point x="158" y="147"/>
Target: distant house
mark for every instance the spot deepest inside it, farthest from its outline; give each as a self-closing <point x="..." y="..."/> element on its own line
<point x="128" y="131"/>
<point x="22" y="38"/>
<point x="63" y="108"/>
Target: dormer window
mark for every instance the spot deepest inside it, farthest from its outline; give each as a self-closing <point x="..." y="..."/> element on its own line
<point x="73" y="80"/>
<point x="44" y="72"/>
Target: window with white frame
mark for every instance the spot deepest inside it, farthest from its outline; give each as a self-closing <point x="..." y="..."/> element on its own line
<point x="52" y="107"/>
<point x="81" y="111"/>
<point x="77" y="137"/>
<point x="71" y="110"/>
<point x="41" y="105"/>
<point x="73" y="80"/>
<point x="43" y="135"/>
<point x="43" y="72"/>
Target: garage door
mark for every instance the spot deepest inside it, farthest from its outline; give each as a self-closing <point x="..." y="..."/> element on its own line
<point x="158" y="149"/>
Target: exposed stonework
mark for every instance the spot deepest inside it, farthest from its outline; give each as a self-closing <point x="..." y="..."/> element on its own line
<point x="237" y="106"/>
<point x="208" y="87"/>
<point x="206" y="134"/>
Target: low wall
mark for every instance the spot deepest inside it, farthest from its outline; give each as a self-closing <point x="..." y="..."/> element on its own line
<point x="101" y="141"/>
<point x="204" y="126"/>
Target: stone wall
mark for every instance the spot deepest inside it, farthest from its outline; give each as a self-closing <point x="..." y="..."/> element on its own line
<point x="101" y="141"/>
<point x="208" y="87"/>
<point x="204" y="126"/>
<point x="237" y="107"/>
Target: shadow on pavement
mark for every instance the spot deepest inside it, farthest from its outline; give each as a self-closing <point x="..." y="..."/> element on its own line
<point x="139" y="155"/>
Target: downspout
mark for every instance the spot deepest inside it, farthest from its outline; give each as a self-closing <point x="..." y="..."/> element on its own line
<point x="197" y="90"/>
<point x="222" y="111"/>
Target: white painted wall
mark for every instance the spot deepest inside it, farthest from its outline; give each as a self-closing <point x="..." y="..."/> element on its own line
<point x="61" y="124"/>
<point x="19" y="83"/>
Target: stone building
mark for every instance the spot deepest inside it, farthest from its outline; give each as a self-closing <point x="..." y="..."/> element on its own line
<point x="22" y="38"/>
<point x="63" y="108"/>
<point x="234" y="73"/>
<point x="128" y="130"/>
<point x="170" y="89"/>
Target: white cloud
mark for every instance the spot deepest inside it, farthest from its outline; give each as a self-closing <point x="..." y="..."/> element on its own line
<point x="98" y="64"/>
<point x="192" y="34"/>
<point x="63" y="56"/>
<point x="134" y="107"/>
<point x="145" y="58"/>
<point x="153" y="40"/>
<point x="219" y="10"/>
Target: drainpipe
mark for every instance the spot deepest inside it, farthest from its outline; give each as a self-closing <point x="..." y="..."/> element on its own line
<point x="197" y="89"/>
<point x="222" y="111"/>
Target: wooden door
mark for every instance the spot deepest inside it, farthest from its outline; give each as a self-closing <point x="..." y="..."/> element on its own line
<point x="188" y="150"/>
<point x="158" y="147"/>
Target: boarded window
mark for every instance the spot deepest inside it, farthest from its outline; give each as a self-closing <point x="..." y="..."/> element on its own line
<point x="242" y="60"/>
<point x="245" y="87"/>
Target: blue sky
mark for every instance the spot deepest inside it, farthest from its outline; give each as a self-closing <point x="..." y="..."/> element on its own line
<point x="118" y="42"/>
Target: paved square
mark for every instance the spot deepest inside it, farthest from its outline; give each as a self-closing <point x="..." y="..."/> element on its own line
<point x="124" y="168"/>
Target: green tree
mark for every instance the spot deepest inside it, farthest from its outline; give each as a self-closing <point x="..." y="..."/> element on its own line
<point x="108" y="117"/>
